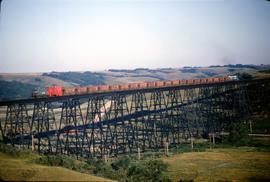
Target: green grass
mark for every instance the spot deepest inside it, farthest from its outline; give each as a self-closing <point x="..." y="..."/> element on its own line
<point x="20" y="165"/>
<point x="222" y="163"/>
<point x="18" y="169"/>
<point x="240" y="164"/>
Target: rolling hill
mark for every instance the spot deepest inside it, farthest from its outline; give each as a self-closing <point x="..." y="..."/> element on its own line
<point x="16" y="86"/>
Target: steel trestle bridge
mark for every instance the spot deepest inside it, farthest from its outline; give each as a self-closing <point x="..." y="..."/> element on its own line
<point x="123" y="122"/>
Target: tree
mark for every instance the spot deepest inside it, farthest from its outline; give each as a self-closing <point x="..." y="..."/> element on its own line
<point x="244" y="76"/>
<point x="238" y="134"/>
<point x="155" y="169"/>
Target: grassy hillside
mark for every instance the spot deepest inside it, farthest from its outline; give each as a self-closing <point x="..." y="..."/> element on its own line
<point x="15" y="90"/>
<point x="224" y="162"/>
<point x="116" y="76"/>
<point x="230" y="164"/>
<point x="78" y="78"/>
<point x="240" y="164"/>
<point x="36" y="79"/>
<point x="17" y="86"/>
<point x="19" y="169"/>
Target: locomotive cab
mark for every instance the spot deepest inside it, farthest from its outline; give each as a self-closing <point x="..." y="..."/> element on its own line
<point x="38" y="92"/>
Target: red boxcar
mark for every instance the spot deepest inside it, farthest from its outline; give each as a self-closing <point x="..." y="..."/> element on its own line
<point x="196" y="81"/>
<point x="221" y="79"/>
<point x="142" y="85"/>
<point x="168" y="83"/>
<point x="76" y="90"/>
<point x="150" y="84"/>
<point x="103" y="88"/>
<point x="54" y="91"/>
<point x="68" y="91"/>
<point x="159" y="84"/>
<point x="113" y="87"/>
<point x="124" y="87"/>
<point x="203" y="80"/>
<point x="215" y="79"/>
<point x="80" y="90"/>
<point x="92" y="89"/>
<point x="133" y="86"/>
<point x="189" y="82"/>
<point x="175" y="82"/>
<point x="183" y="82"/>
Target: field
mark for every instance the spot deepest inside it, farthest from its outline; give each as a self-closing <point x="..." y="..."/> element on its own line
<point x="18" y="169"/>
<point x="241" y="164"/>
<point x="234" y="164"/>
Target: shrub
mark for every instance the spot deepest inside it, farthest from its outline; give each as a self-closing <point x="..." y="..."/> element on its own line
<point x="13" y="151"/>
<point x="122" y="162"/>
<point x="57" y="160"/>
<point x="137" y="172"/>
<point x="100" y="168"/>
<point x="244" y="76"/>
<point x="154" y="169"/>
<point x="238" y="134"/>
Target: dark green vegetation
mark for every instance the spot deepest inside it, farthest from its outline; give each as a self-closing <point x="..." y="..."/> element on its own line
<point x="265" y="71"/>
<point x="244" y="76"/>
<point x="238" y="135"/>
<point x="10" y="90"/>
<point x="261" y="125"/>
<point x="81" y="79"/>
<point x="122" y="169"/>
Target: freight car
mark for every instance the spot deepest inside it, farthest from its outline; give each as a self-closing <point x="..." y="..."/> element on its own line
<point x="61" y="91"/>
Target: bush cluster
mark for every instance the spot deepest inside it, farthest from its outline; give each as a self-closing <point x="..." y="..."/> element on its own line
<point x="244" y="76"/>
<point x="121" y="169"/>
<point x="127" y="169"/>
<point x="13" y="151"/>
<point x="238" y="135"/>
<point x="64" y="161"/>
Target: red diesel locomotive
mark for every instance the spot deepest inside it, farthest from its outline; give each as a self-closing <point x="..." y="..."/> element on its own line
<point x="61" y="91"/>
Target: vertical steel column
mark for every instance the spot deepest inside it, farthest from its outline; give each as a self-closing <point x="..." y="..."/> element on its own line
<point x="70" y="141"/>
<point x="43" y="120"/>
<point x="17" y="124"/>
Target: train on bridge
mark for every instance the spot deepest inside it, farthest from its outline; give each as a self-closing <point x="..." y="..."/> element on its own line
<point x="63" y="91"/>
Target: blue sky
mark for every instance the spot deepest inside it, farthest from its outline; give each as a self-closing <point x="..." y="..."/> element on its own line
<point x="79" y="35"/>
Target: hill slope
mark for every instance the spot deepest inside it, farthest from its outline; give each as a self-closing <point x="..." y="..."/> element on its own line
<point x="239" y="164"/>
<point x="16" y="169"/>
<point x="11" y="84"/>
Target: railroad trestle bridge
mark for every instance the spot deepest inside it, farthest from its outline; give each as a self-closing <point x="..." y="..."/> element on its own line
<point x="121" y="122"/>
